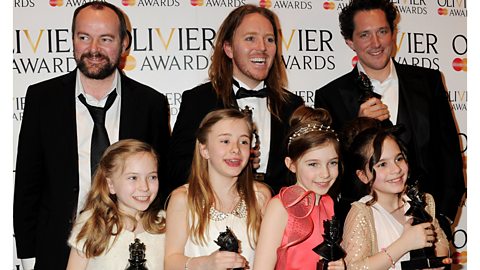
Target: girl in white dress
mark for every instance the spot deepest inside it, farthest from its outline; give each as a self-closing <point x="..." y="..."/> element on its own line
<point x="377" y="234"/>
<point x="118" y="210"/>
<point x="220" y="192"/>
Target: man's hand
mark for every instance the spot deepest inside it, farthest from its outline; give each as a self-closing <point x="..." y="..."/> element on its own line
<point x="374" y="108"/>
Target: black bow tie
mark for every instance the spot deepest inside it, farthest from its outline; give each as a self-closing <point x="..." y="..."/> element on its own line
<point x="244" y="93"/>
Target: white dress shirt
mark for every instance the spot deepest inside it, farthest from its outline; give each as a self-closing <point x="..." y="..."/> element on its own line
<point x="388" y="89"/>
<point x="85" y="128"/>
<point x="261" y="117"/>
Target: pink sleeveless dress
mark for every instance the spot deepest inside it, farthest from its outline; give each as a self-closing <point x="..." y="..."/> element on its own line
<point x="304" y="230"/>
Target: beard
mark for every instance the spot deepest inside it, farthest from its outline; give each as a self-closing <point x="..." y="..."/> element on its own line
<point x="97" y="71"/>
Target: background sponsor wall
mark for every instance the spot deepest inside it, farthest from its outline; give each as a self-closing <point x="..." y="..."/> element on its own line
<point x="172" y="42"/>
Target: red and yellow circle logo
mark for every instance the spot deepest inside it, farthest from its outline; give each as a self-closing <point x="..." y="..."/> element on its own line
<point x="329" y="5"/>
<point x="459" y="64"/>
<point x="56" y="3"/>
<point x="196" y="3"/>
<point x="442" y="11"/>
<point x="460" y="257"/>
<point x="128" y="2"/>
<point x="130" y="63"/>
<point x="265" y="3"/>
<point x="354" y="60"/>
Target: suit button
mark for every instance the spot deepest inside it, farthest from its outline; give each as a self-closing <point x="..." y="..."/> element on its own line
<point x="75" y="189"/>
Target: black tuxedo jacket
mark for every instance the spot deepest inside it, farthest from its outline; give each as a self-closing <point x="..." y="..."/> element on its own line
<point x="430" y="136"/>
<point x="198" y="102"/>
<point x="46" y="178"/>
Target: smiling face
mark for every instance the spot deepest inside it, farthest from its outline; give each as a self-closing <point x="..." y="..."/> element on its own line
<point x="227" y="148"/>
<point x="391" y="170"/>
<point x="97" y="45"/>
<point x="372" y="40"/>
<point x="252" y="49"/>
<point x="317" y="169"/>
<point x="135" y="186"/>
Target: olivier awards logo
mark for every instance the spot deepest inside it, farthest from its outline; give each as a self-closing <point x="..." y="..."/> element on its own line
<point x="286" y="4"/>
<point x="415" y="7"/>
<point x="455" y="8"/>
<point x="459" y="46"/>
<point x="459" y="64"/>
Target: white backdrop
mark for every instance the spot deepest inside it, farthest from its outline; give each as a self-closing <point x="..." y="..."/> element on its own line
<point x="172" y="45"/>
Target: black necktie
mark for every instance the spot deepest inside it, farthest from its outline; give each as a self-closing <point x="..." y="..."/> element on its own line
<point x="244" y="93"/>
<point x="100" y="140"/>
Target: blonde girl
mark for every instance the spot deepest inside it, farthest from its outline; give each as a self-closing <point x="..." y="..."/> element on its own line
<point x="120" y="208"/>
<point x="220" y="193"/>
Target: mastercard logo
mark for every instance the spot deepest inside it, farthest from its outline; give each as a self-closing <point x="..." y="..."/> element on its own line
<point x="442" y="11"/>
<point x="354" y="60"/>
<point x="128" y="2"/>
<point x="130" y="63"/>
<point x="459" y="64"/>
<point x="265" y="3"/>
<point x="196" y="3"/>
<point x="56" y="3"/>
<point x="459" y="257"/>
<point x="328" y="5"/>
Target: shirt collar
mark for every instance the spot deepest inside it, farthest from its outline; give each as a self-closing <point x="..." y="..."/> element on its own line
<point x="391" y="75"/>
<point x="259" y="86"/>
<point x="116" y="85"/>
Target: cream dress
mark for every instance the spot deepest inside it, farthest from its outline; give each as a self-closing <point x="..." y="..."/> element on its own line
<point x="117" y="255"/>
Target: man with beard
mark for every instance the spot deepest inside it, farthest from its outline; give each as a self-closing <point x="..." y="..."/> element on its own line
<point x="62" y="135"/>
<point x="413" y="97"/>
<point x="246" y="71"/>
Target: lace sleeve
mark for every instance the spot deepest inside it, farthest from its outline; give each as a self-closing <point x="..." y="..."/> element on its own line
<point x="358" y="236"/>
<point x="441" y="237"/>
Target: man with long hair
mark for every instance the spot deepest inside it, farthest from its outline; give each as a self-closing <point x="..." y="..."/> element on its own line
<point x="246" y="71"/>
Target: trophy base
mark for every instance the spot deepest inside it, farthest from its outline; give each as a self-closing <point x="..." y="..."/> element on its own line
<point x="422" y="263"/>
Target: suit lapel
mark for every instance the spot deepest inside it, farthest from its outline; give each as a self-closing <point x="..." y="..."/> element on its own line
<point x="413" y="105"/>
<point x="127" y="116"/>
<point x="350" y="94"/>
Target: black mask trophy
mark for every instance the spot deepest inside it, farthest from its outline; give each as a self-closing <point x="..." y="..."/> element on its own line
<point x="424" y="257"/>
<point x="248" y="112"/>
<point x="330" y="248"/>
<point x="137" y="256"/>
<point x="366" y="88"/>
<point x="228" y="242"/>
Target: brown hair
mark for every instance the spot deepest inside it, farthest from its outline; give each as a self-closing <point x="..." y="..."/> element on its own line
<point x="220" y="71"/>
<point x="200" y="193"/>
<point x="106" y="219"/>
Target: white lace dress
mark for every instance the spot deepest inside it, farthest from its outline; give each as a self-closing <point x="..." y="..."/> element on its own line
<point x="236" y="221"/>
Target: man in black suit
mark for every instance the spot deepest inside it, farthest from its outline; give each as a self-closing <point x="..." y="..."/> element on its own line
<point x="246" y="70"/>
<point x="54" y="167"/>
<point x="414" y="97"/>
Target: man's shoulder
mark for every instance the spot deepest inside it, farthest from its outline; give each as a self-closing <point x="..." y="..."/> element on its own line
<point x="64" y="78"/>
<point x="403" y="69"/>
<point x="140" y="89"/>
<point x="344" y="81"/>
<point x="200" y="90"/>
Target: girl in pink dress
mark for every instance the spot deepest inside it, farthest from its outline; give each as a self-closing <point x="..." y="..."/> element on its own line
<point x="293" y="222"/>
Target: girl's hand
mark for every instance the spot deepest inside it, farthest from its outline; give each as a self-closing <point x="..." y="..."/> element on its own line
<point x="418" y="236"/>
<point x="221" y="260"/>
<point x="337" y="265"/>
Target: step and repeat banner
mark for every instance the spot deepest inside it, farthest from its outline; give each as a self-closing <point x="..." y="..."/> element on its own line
<point x="172" y="44"/>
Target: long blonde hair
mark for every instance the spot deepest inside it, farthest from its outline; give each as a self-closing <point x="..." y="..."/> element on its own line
<point x="200" y="193"/>
<point x="106" y="219"/>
